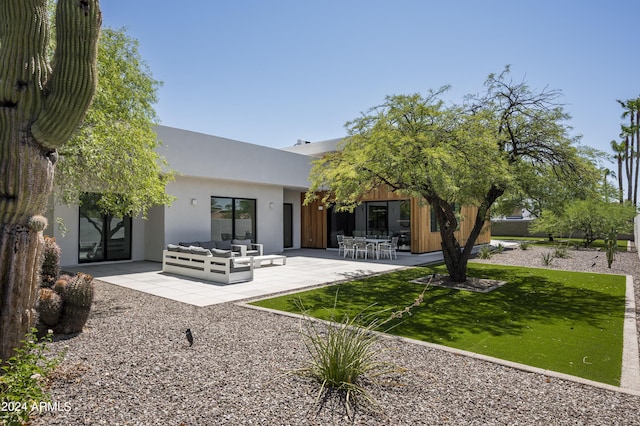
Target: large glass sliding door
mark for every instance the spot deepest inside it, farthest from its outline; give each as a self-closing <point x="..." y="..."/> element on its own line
<point x="103" y="237"/>
<point x="233" y="218"/>
<point x="373" y="218"/>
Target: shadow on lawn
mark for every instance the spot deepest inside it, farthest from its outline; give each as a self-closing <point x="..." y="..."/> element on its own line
<point x="446" y="314"/>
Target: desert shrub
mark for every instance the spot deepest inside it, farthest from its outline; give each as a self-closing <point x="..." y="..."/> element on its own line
<point x="342" y="352"/>
<point x="524" y="245"/>
<point x="560" y="252"/>
<point x="485" y="252"/>
<point x="23" y="379"/>
<point x="547" y="258"/>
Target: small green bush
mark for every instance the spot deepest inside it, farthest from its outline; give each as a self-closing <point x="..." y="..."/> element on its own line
<point x="547" y="258"/>
<point x="485" y="252"/>
<point x="524" y="245"/>
<point x="22" y="382"/>
<point x="560" y="252"/>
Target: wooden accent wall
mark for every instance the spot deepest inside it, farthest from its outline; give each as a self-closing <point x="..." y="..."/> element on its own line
<point x="313" y="224"/>
<point x="423" y="240"/>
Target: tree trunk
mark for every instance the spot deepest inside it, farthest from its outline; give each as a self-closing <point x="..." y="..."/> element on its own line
<point x="620" y="189"/>
<point x="39" y="111"/>
<point x="456" y="257"/>
<point x="635" y="135"/>
<point x="628" y="161"/>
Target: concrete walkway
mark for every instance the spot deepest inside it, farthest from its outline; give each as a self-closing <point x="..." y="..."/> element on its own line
<point x="304" y="268"/>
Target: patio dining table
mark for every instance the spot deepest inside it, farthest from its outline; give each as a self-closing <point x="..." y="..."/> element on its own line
<point x="377" y="242"/>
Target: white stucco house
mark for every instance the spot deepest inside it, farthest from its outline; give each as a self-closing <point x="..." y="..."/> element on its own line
<point x="224" y="189"/>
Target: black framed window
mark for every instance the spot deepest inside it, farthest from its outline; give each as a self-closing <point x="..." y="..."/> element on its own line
<point x="233" y="218"/>
<point x="102" y="237"/>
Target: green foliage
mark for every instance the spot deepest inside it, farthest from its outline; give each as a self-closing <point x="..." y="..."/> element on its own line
<point x="114" y="152"/>
<point x="547" y="258"/>
<point x="524" y="245"/>
<point x="594" y="218"/>
<point x="22" y="382"/>
<point x="560" y="252"/>
<point x="485" y="252"/>
<point x="500" y="142"/>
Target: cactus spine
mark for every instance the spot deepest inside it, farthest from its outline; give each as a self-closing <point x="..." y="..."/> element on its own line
<point x="77" y="304"/>
<point x="39" y="109"/>
<point x="49" y="307"/>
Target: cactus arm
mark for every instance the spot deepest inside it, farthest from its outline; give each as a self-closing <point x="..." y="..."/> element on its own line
<point x="69" y="92"/>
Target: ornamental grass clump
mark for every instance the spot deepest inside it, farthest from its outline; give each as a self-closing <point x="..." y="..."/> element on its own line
<point x="344" y="352"/>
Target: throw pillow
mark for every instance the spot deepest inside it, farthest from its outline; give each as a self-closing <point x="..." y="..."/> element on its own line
<point x="220" y="253"/>
<point x="200" y="251"/>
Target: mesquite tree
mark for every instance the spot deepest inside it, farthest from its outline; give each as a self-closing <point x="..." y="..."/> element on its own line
<point x="495" y="143"/>
<point x="41" y="104"/>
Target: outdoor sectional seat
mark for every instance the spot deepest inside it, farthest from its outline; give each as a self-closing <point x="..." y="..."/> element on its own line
<point x="208" y="264"/>
<point x="237" y="247"/>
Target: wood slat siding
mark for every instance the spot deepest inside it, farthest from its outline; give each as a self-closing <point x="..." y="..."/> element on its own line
<point x="314" y="223"/>
<point x="423" y="240"/>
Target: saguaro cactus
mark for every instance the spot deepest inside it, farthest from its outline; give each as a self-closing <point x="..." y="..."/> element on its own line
<point x="40" y="106"/>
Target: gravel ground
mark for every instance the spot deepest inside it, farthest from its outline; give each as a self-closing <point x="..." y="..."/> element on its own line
<point x="132" y="366"/>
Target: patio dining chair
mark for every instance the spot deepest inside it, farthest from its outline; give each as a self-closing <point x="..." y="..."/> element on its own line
<point x="389" y="249"/>
<point x="363" y="248"/>
<point x="348" y="247"/>
<point x="340" y="239"/>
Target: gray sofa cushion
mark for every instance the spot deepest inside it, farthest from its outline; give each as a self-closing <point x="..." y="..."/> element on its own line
<point x="208" y="244"/>
<point x="193" y="243"/>
<point x="223" y="245"/>
<point x="243" y="243"/>
<point x="172" y="247"/>
<point x="200" y="250"/>
<point x="184" y="249"/>
<point x="221" y="253"/>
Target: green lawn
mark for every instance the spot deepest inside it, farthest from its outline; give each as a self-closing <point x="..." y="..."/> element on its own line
<point x="562" y="321"/>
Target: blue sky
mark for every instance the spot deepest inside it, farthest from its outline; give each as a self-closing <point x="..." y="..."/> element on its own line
<point x="272" y="72"/>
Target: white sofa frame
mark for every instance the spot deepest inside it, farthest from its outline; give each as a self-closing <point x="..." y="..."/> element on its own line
<point x="242" y="249"/>
<point x="210" y="268"/>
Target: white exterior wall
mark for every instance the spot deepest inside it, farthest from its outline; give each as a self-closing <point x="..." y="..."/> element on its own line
<point x="207" y="166"/>
<point x="187" y="222"/>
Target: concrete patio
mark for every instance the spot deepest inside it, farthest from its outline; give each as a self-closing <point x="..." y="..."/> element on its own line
<point x="304" y="268"/>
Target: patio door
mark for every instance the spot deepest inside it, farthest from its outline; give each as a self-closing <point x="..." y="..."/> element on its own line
<point x="288" y="225"/>
<point x="102" y="237"/>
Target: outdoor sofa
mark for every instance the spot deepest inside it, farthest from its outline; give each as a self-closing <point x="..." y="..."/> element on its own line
<point x="217" y="265"/>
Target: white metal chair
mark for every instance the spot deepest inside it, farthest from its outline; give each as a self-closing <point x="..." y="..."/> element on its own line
<point x="340" y="239"/>
<point x="389" y="249"/>
<point x="363" y="248"/>
<point x="348" y="247"/>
